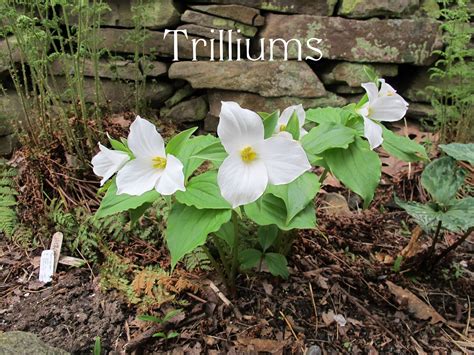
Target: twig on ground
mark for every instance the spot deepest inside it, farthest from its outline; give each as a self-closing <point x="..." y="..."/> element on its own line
<point x="315" y="310"/>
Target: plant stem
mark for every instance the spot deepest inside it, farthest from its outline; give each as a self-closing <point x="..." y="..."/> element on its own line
<point x="235" y="253"/>
<point x="452" y="247"/>
<point x="323" y="176"/>
<point x="214" y="263"/>
<point x="435" y="241"/>
<point x="222" y="255"/>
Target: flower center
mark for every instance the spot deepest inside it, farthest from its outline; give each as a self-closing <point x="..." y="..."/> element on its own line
<point x="370" y="111"/>
<point x="159" y="162"/>
<point x="282" y="127"/>
<point x="390" y="93"/>
<point x="248" y="154"/>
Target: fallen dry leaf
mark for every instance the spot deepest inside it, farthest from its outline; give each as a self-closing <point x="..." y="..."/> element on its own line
<point x="415" y="306"/>
<point x="414" y="246"/>
<point x="335" y="204"/>
<point x="259" y="345"/>
<point x="384" y="258"/>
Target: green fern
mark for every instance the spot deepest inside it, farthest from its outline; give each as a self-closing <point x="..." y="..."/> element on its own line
<point x="84" y="233"/>
<point x="8" y="203"/>
<point x="197" y="259"/>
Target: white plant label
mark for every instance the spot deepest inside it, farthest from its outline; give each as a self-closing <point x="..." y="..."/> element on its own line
<point x="56" y="244"/>
<point x="46" y="266"/>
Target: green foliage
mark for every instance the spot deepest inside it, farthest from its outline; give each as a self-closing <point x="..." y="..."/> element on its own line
<point x="402" y="147"/>
<point x="293" y="126"/>
<point x="459" y="151"/>
<point x="297" y="194"/>
<point x="358" y="167"/>
<point x="97" y="346"/>
<point x="113" y="203"/>
<point x="270" y="122"/>
<point x="188" y="228"/>
<point x="197" y="259"/>
<point x="202" y="192"/>
<point x="270" y="209"/>
<point x="454" y="99"/>
<point x="8" y="203"/>
<point x="275" y="262"/>
<point x="443" y="179"/>
<point x="327" y="135"/>
<point x="168" y="316"/>
<point x="83" y="232"/>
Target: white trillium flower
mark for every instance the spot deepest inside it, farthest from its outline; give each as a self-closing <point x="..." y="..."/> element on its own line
<point x="253" y="161"/>
<point x="284" y="118"/>
<point x="384" y="105"/>
<point x="107" y="162"/>
<point x="152" y="167"/>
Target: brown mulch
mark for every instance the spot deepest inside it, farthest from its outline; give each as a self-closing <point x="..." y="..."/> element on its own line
<point x="337" y="299"/>
<point x="343" y="294"/>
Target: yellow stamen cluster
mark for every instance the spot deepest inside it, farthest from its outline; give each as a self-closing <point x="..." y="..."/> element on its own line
<point x="159" y="162"/>
<point x="248" y="154"/>
<point x="282" y="127"/>
<point x="390" y="93"/>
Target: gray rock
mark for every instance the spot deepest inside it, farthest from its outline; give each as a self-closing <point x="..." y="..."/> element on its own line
<point x="311" y="7"/>
<point x="380" y="41"/>
<point x="7" y="145"/>
<point x="268" y="104"/>
<point x="372" y="8"/>
<point x="270" y="79"/>
<point x="11" y="113"/>
<point x="154" y="14"/>
<point x="239" y="13"/>
<point x="346" y="89"/>
<point x="119" y="40"/>
<point x="18" y="343"/>
<point x="421" y="111"/>
<point x="417" y="86"/>
<point x="187" y="111"/>
<point x="9" y="52"/>
<point x="202" y="19"/>
<point x="117" y="95"/>
<point x="211" y="33"/>
<point x="314" y="350"/>
<point x="180" y="94"/>
<point x="112" y="69"/>
<point x="353" y="74"/>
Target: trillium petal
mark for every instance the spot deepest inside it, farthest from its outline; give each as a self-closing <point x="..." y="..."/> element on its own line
<point x="388" y="90"/>
<point x="238" y="127"/>
<point x="172" y="178"/>
<point x="107" y="162"/>
<point x="242" y="183"/>
<point x="388" y="108"/>
<point x="144" y="140"/>
<point x="137" y="177"/>
<point x="373" y="133"/>
<point x="284" y="159"/>
<point x="372" y="91"/>
<point x="288" y="112"/>
<point x="364" y="110"/>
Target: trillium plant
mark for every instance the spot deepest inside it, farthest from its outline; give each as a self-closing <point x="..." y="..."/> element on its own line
<point x="260" y="173"/>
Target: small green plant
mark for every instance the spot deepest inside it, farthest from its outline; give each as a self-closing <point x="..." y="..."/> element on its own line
<point x="97" y="346"/>
<point x="168" y="316"/>
<point x="8" y="203"/>
<point x="443" y="179"/>
<point x="454" y="99"/>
